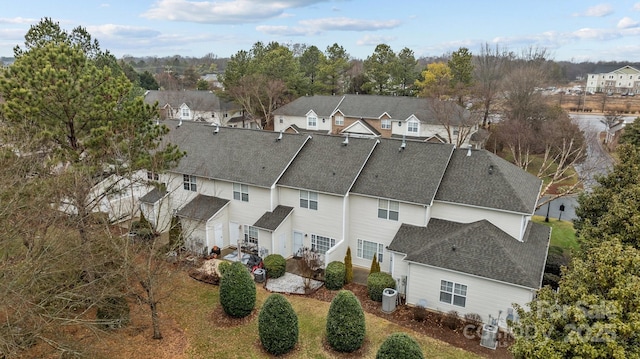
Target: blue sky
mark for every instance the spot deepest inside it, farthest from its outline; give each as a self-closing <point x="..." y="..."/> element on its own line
<point x="573" y="30"/>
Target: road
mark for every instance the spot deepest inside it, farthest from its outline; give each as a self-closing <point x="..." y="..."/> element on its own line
<point x="598" y="162"/>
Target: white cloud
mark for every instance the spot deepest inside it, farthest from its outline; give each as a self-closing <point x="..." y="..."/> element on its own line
<point x="626" y="23"/>
<point x="597" y="11"/>
<point x="283" y="30"/>
<point x="121" y="31"/>
<point x="349" y="24"/>
<point x="636" y="6"/>
<point x="374" y="40"/>
<point x="18" y="20"/>
<point x="222" y="12"/>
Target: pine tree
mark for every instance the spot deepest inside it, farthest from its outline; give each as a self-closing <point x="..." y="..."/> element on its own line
<point x="348" y="267"/>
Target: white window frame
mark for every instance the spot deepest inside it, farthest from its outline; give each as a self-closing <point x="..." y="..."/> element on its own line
<point x="413" y="127"/>
<point x="312" y="121"/>
<point x="387" y="209"/>
<point x="453" y="293"/>
<point x="322" y="244"/>
<point x="152" y="176"/>
<point x="309" y="200"/>
<point x="250" y="235"/>
<point x="189" y="183"/>
<point x="385" y="124"/>
<point x="241" y="192"/>
<point x="185" y="112"/>
<point x="366" y="250"/>
<point x="339" y="120"/>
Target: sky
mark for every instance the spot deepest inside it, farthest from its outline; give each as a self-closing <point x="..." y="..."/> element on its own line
<point x="570" y="30"/>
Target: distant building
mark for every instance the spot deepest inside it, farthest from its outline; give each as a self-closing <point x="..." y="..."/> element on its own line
<point x="623" y="80"/>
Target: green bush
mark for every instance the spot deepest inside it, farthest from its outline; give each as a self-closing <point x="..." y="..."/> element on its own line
<point x="237" y="291"/>
<point x="375" y="265"/>
<point x="377" y="282"/>
<point x="278" y="325"/>
<point x="399" y="346"/>
<point x="223" y="267"/>
<point x="334" y="275"/>
<point x="113" y="313"/>
<point x="275" y="265"/>
<point x="345" y="323"/>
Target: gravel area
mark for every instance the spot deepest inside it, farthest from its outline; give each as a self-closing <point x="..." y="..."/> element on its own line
<point x="291" y="283"/>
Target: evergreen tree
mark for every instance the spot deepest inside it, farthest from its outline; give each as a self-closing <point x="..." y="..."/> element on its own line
<point x="375" y="266"/>
<point x="348" y="266"/>
<point x="345" y="323"/>
<point x="237" y="291"/>
<point x="399" y="346"/>
<point x="278" y="325"/>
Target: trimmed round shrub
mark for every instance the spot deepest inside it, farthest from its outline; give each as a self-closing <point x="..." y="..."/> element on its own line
<point x="223" y="267"/>
<point x="278" y="325"/>
<point x="113" y="313"/>
<point x="377" y="282"/>
<point x="345" y="323"/>
<point x="334" y="275"/>
<point x="399" y="346"/>
<point x="275" y="265"/>
<point x="237" y="291"/>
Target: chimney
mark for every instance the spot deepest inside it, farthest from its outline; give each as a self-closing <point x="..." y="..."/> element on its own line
<point x="469" y="151"/>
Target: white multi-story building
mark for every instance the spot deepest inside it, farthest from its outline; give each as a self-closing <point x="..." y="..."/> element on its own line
<point x="625" y="80"/>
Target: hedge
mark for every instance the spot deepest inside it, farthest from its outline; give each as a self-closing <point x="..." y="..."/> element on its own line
<point x="334" y="275"/>
<point x="345" y="323"/>
<point x="237" y="291"/>
<point x="399" y="346"/>
<point x="275" y="265"/>
<point x="278" y="325"/>
<point x="376" y="284"/>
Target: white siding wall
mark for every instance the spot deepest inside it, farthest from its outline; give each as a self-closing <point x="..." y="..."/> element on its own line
<point x="284" y="231"/>
<point x="510" y="223"/>
<point x="366" y="225"/>
<point x="484" y="297"/>
<point x="301" y="121"/>
<point x="326" y="221"/>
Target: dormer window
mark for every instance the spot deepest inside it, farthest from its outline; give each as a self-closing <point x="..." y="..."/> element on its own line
<point x="385" y="124"/>
<point x="312" y="121"/>
<point x="413" y="127"/>
<point x="339" y="120"/>
<point x="186" y="113"/>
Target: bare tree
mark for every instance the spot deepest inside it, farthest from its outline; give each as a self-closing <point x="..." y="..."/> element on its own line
<point x="489" y="68"/>
<point x="259" y="96"/>
<point x="458" y="122"/>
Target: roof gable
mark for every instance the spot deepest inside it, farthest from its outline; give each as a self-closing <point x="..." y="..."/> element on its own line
<point x="477" y="248"/>
<point x="360" y="127"/>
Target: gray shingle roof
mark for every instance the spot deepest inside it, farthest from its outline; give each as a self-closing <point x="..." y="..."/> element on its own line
<point x="196" y="100"/>
<point x="486" y="180"/>
<point x="372" y="107"/>
<point x="153" y="196"/>
<point x="233" y="154"/>
<point x="477" y="248"/>
<point x="271" y="220"/>
<point x="322" y="105"/>
<point x="326" y="165"/>
<point x="202" y="207"/>
<point x="411" y="175"/>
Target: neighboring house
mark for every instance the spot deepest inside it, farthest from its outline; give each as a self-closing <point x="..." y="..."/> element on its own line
<point x="379" y="117"/>
<point x="213" y="81"/>
<point x="452" y="226"/>
<point x="623" y="80"/>
<point x="193" y="106"/>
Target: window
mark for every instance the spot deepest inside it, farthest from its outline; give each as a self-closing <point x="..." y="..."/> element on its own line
<point x="388" y="209"/>
<point x="312" y="121"/>
<point x="385" y="124"/>
<point x="413" y="126"/>
<point x="185" y="112"/>
<point x="367" y="249"/>
<point x="250" y="235"/>
<point x="309" y="200"/>
<point x="241" y="192"/>
<point x="152" y="176"/>
<point x="281" y="119"/>
<point x="321" y="244"/>
<point x="189" y="182"/>
<point x="339" y="120"/>
<point x="453" y="293"/>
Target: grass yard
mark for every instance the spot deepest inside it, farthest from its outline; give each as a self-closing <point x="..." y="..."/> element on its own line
<point x="563" y="236"/>
<point x="194" y="306"/>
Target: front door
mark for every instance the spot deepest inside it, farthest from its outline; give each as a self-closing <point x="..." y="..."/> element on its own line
<point x="218" y="236"/>
<point x="298" y="243"/>
<point x="282" y="245"/>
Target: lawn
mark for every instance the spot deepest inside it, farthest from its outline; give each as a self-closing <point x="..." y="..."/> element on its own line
<point x="563" y="236"/>
<point x="193" y="326"/>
